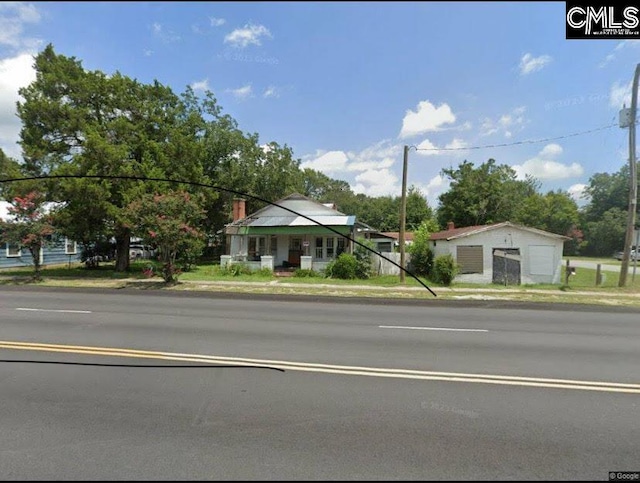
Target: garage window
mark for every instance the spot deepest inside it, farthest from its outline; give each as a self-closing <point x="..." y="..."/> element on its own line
<point x="469" y="258"/>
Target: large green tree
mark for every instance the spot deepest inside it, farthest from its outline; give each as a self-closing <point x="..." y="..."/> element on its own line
<point x="555" y="212"/>
<point x="606" y="235"/>
<point x="606" y="191"/>
<point x="81" y="122"/>
<point x="489" y="193"/>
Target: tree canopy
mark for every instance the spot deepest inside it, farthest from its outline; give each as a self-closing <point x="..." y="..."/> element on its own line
<point x="490" y="193"/>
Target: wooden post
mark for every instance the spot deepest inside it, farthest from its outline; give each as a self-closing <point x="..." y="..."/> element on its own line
<point x="566" y="274"/>
<point x="598" y="275"/>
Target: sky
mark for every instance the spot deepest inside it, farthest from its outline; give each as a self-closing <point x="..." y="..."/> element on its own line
<point x="348" y="85"/>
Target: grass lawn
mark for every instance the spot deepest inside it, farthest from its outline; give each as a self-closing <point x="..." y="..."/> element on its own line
<point x="583" y="280"/>
<point x="77" y="270"/>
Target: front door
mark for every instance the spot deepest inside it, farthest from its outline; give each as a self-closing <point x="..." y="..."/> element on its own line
<point x="506" y="266"/>
<point x="295" y="250"/>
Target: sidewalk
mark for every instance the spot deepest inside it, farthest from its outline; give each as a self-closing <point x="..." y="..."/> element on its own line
<point x="283" y="287"/>
<point x="437" y="290"/>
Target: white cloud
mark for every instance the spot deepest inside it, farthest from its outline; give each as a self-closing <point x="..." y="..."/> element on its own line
<point x="619" y="46"/>
<point x="620" y="94"/>
<point x="202" y="85"/>
<point x="577" y="192"/>
<point x="529" y="63"/>
<point x="505" y="124"/>
<point x="545" y="167"/>
<point x="327" y="162"/>
<point x="217" y="22"/>
<point x="552" y="150"/>
<point x="377" y="182"/>
<point x="427" y="117"/>
<point x="427" y="148"/>
<point x="377" y="158"/>
<point x="15" y="72"/>
<point x="242" y="93"/>
<point x="13" y="17"/>
<point x="271" y="91"/>
<point x="248" y="35"/>
<point x="379" y="150"/>
<point x="436" y="186"/>
<point x="166" y="36"/>
<point x="147" y="52"/>
<point x="606" y="60"/>
<point x="370" y="165"/>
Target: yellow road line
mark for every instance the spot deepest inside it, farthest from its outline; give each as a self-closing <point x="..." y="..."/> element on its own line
<point x="330" y="369"/>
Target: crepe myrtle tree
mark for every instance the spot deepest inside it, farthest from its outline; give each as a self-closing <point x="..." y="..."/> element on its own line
<point x="171" y="222"/>
<point x="30" y="227"/>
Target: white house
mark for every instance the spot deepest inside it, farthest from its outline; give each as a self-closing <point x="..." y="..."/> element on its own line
<point x="275" y="237"/>
<point x="502" y="253"/>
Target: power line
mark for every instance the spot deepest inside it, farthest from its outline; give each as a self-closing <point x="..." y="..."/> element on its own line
<point x="516" y="143"/>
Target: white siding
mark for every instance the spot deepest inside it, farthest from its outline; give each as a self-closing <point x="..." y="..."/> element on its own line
<point x="508" y="237"/>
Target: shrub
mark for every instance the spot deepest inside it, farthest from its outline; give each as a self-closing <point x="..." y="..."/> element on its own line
<point x="343" y="267"/>
<point x="421" y="255"/>
<point x="363" y="259"/>
<point x="305" y="272"/>
<point x="421" y="259"/>
<point x="444" y="269"/>
<point x="264" y="272"/>
<point x="235" y="269"/>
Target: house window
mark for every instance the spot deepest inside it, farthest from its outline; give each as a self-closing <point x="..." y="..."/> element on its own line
<point x="70" y="247"/>
<point x="330" y="245"/>
<point x="274" y="246"/>
<point x="13" y="250"/>
<point x="470" y="259"/>
<point x="257" y="247"/>
<point x="340" y="246"/>
<point x="319" y="246"/>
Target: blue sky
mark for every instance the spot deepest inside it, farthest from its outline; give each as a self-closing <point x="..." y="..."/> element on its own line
<point x="346" y="85"/>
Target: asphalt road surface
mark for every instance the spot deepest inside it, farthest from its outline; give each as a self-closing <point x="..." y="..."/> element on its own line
<point x="316" y="390"/>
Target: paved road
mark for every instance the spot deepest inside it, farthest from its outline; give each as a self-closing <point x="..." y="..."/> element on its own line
<point x="369" y="391"/>
<point x="603" y="266"/>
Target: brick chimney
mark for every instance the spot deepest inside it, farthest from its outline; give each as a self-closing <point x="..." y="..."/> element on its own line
<point x="238" y="209"/>
<point x="450" y="225"/>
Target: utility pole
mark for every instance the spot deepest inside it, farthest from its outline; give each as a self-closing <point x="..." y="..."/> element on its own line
<point x="633" y="182"/>
<point x="403" y="211"/>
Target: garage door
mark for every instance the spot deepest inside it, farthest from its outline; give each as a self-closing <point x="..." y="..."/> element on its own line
<point x="541" y="259"/>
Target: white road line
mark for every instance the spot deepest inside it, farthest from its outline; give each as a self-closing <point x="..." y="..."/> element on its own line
<point x="431" y="328"/>
<point x="55" y="310"/>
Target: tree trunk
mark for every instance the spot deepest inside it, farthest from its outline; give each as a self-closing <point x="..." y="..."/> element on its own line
<point x="123" y="239"/>
<point x="35" y="256"/>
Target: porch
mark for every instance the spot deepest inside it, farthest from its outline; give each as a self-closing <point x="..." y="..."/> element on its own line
<point x="288" y="251"/>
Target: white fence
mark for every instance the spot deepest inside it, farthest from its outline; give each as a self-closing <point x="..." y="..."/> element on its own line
<point x="384" y="267"/>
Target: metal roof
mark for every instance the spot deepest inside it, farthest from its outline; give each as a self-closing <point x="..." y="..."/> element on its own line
<point x="293" y="220"/>
<point x="473" y="230"/>
<point x="280" y="215"/>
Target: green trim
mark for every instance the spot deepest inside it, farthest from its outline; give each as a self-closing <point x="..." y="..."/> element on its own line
<point x="293" y="230"/>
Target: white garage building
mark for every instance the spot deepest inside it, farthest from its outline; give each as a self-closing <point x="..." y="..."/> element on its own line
<point x="502" y="253"/>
